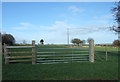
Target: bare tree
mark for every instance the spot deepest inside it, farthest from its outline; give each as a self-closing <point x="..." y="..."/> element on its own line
<point x="116" y="12"/>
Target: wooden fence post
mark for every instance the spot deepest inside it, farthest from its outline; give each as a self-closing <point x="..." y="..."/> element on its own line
<point x="106" y="55"/>
<point x="6" y="55"/>
<point x="33" y="53"/>
<point x="91" y="51"/>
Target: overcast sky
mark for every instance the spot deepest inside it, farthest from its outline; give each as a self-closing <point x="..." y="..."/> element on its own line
<point x="50" y="20"/>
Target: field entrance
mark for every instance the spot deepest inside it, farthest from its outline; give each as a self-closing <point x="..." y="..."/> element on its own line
<point x="53" y="54"/>
<point x="48" y="54"/>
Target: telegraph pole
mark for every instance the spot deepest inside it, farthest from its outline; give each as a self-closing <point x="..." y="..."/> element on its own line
<point x="68" y="36"/>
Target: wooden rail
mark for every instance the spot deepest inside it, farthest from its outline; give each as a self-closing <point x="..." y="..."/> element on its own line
<point x="19" y="52"/>
<point x="18" y="60"/>
<point x="10" y="57"/>
<point x="19" y="46"/>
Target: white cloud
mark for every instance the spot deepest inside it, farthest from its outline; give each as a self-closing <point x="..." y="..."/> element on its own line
<point x="25" y="24"/>
<point x="60" y="27"/>
<point x="75" y="10"/>
<point x="20" y="28"/>
<point x="57" y="33"/>
<point x="104" y="17"/>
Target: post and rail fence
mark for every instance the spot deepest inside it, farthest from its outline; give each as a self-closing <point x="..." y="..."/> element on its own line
<point x="41" y="55"/>
<point x="9" y="57"/>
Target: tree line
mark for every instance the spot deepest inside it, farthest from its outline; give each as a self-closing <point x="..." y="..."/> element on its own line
<point x="10" y="40"/>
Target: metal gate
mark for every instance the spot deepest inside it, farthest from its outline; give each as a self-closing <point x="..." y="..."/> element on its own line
<point x="63" y="55"/>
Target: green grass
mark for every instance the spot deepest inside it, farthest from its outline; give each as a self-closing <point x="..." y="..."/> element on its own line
<point x="100" y="70"/>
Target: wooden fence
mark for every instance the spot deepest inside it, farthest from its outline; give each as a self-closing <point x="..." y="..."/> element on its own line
<point x="10" y="57"/>
<point x="49" y="55"/>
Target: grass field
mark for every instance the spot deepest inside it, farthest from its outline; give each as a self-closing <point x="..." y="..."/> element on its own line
<point x="100" y="70"/>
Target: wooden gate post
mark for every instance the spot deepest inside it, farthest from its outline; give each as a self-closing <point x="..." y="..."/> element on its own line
<point x="91" y="51"/>
<point x="33" y="53"/>
<point x="6" y="55"/>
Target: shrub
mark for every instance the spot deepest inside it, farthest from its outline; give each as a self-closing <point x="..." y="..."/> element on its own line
<point x="8" y="39"/>
<point x="116" y="43"/>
